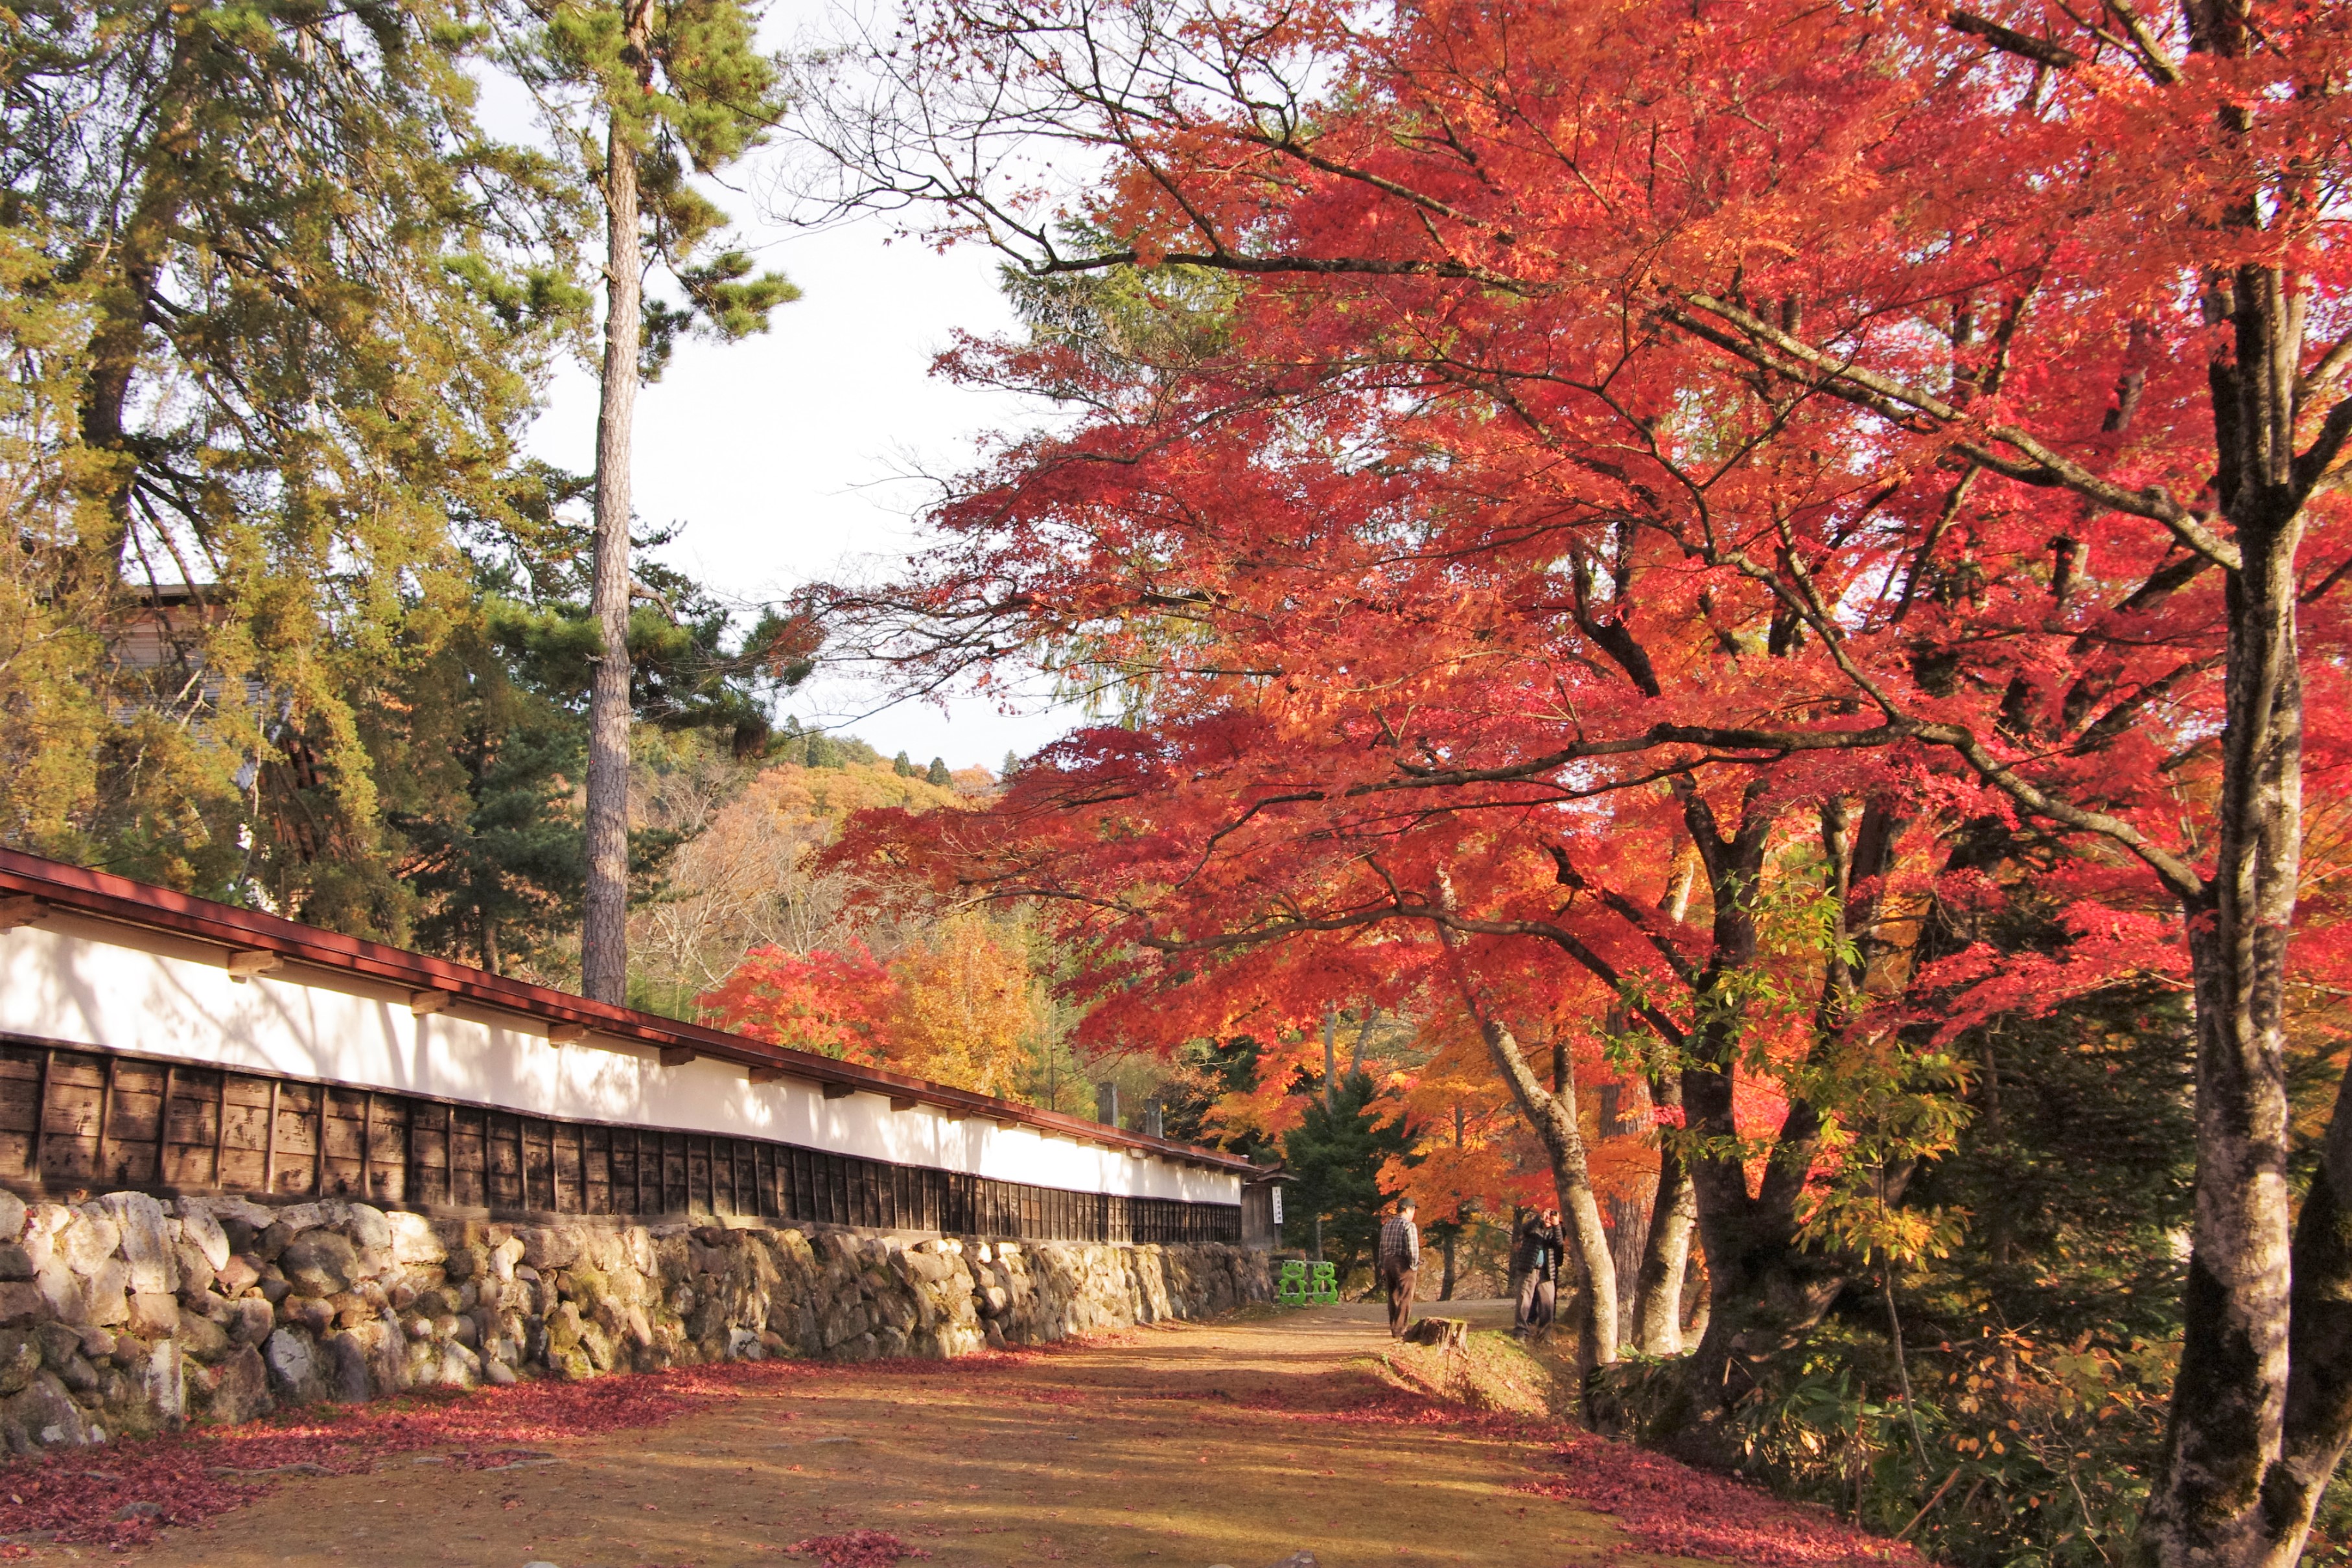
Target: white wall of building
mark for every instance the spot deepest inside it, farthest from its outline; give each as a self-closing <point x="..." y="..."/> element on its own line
<point x="75" y="980"/>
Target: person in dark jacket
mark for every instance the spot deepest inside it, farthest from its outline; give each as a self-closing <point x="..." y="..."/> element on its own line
<point x="1400" y="1265"/>
<point x="1535" y="1264"/>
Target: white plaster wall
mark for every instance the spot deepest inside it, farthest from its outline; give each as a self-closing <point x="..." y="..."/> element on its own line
<point x="89" y="982"/>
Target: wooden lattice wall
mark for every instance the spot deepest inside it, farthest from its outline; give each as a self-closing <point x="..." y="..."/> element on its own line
<point x="73" y="1119"/>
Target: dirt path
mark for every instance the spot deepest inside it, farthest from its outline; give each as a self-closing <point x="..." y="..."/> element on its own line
<point x="1183" y="1444"/>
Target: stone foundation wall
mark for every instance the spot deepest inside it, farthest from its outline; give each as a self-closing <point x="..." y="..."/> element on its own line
<point x="130" y="1313"/>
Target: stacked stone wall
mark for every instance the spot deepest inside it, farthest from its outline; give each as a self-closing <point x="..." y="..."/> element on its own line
<point x="128" y="1314"/>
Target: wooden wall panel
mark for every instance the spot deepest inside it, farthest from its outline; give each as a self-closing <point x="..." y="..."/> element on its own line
<point x="75" y="1120"/>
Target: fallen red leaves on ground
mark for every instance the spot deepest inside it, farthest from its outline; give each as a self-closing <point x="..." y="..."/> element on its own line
<point x="857" y="1549"/>
<point x="1673" y="1509"/>
<point x="120" y="1495"/>
<point x="1667" y="1506"/>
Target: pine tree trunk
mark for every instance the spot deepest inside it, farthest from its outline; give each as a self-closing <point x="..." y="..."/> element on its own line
<point x="604" y="933"/>
<point x="125" y="307"/>
<point x="2223" y="1493"/>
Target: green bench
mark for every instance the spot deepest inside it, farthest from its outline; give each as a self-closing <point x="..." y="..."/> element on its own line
<point x="1296" y="1287"/>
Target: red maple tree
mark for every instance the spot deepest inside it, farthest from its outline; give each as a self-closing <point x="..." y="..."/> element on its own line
<point x="1647" y="492"/>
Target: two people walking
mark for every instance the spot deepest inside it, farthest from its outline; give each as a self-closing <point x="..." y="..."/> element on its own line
<point x="1537" y="1246"/>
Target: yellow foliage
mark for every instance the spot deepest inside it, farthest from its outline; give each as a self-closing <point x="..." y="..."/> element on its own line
<point x="789" y="790"/>
<point x="966" y="1007"/>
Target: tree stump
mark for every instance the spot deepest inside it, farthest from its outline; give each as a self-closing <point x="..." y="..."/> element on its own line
<point x="1449" y="1333"/>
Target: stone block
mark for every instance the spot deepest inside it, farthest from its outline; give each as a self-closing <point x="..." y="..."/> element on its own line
<point x="105" y="1294"/>
<point x="238" y="1389"/>
<point x="20" y="1358"/>
<point x="369" y="1228"/>
<point x="273" y="1239"/>
<point x="23" y="1303"/>
<point x="413" y="1240"/>
<point x="196" y="1273"/>
<point x="152" y="1314"/>
<point x="239" y="1275"/>
<point x="301" y="1216"/>
<point x="227" y="1211"/>
<point x="12" y="1215"/>
<point x="87" y="1239"/>
<point x="201" y="1228"/>
<point x="43" y="1415"/>
<point x="147" y="1243"/>
<point x="305" y="1312"/>
<point x="202" y="1338"/>
<point x="546" y="1247"/>
<point x="250" y="1320"/>
<point x="352" y="1380"/>
<point x="79" y="1378"/>
<point x="163" y="1383"/>
<point x="319" y="1262"/>
<point x="298" y="1371"/>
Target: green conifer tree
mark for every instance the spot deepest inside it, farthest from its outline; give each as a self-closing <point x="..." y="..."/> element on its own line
<point x="1337" y="1153"/>
<point x="643" y="94"/>
<point x="937" y="773"/>
<point x="271" y="323"/>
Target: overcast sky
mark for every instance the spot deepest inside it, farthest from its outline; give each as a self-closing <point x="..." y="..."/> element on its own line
<point x="785" y="456"/>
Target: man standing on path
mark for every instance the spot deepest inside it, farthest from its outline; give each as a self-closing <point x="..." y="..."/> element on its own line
<point x="1400" y="1265"/>
<point x="1535" y="1262"/>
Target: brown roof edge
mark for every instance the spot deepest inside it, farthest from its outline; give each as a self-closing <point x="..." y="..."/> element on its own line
<point x="119" y="899"/>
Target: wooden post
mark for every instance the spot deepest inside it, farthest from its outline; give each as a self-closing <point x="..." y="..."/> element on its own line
<point x="163" y="1128"/>
<point x="220" y="1136"/>
<point x="367" y="1145"/>
<point x="269" y="1145"/>
<point x="106" y="1114"/>
<point x="318" y="1159"/>
<point x="41" y="1117"/>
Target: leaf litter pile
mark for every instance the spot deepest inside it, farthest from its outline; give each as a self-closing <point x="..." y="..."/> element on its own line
<point x="1675" y="1511"/>
<point x="120" y="1496"/>
<point x="857" y="1549"/>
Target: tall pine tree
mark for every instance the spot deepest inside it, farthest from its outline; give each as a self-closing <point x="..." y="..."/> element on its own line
<point x="643" y="94"/>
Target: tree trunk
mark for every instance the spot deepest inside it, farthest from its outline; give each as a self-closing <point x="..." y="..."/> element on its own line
<point x="2225" y="1491"/>
<point x="1445" y="1286"/>
<point x="1666" y="1255"/>
<point x="1330" y="1057"/>
<point x="118" y="340"/>
<point x="1764" y="1288"/>
<point x="1553" y="1116"/>
<point x="2319" y="1343"/>
<point x="604" y="933"/>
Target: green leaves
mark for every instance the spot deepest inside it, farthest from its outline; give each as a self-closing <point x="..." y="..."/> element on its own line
<point x="276" y="324"/>
<point x="698" y="98"/>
